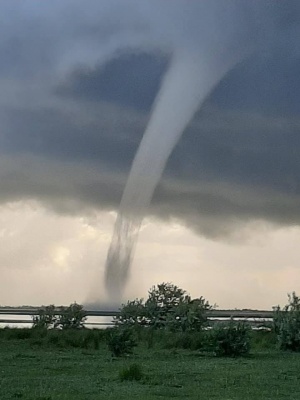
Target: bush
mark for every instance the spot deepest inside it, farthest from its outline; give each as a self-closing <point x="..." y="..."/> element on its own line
<point x="120" y="341"/>
<point x="230" y="339"/>
<point x="132" y="373"/>
<point x="287" y="324"/>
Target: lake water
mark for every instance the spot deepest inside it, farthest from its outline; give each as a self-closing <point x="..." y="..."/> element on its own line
<point x="25" y="321"/>
<point x="100" y="322"/>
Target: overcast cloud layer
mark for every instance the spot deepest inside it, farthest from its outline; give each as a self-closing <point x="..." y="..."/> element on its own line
<point x="77" y="84"/>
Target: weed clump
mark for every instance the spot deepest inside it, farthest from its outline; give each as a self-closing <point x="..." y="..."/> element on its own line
<point x="132" y="373"/>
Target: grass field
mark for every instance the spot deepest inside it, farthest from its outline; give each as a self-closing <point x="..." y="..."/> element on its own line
<point x="30" y="369"/>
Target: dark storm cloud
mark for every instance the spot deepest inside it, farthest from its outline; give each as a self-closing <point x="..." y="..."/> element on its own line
<point x="130" y="80"/>
<point x="269" y="85"/>
<point x="249" y="130"/>
<point x="57" y="134"/>
<point x="72" y="117"/>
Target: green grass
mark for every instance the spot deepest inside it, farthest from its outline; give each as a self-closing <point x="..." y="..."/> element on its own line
<point x="43" y="369"/>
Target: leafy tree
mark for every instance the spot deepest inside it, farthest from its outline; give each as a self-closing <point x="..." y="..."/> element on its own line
<point x="165" y="296"/>
<point x="171" y="307"/>
<point x="72" y="317"/>
<point x="60" y="317"/>
<point x="46" y="318"/>
<point x="167" y="306"/>
<point x="132" y="313"/>
<point x="189" y="315"/>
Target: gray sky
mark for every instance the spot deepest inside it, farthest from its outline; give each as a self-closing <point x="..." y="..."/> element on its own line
<point x="78" y="80"/>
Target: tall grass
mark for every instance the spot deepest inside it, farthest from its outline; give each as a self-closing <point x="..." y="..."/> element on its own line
<point x="77" y="338"/>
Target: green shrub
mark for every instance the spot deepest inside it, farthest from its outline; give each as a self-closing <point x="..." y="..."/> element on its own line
<point x="287" y="324"/>
<point x="230" y="339"/>
<point x="132" y="373"/>
<point x="120" y="341"/>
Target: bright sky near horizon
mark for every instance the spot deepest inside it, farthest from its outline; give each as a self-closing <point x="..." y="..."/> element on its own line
<point x="49" y="259"/>
<point x="78" y="80"/>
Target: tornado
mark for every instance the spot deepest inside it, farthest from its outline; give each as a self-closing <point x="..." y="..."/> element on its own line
<point x="187" y="83"/>
<point x="227" y="38"/>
